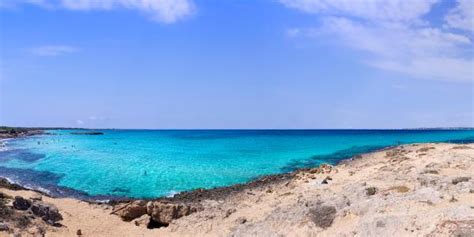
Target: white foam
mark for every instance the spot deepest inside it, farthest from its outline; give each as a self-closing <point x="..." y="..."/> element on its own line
<point x="102" y="200"/>
<point x="29" y="187"/>
<point x="9" y="180"/>
<point x="3" y="145"/>
<point x="43" y="190"/>
<point x="171" y="193"/>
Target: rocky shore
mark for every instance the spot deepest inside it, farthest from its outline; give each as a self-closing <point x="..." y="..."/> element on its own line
<point x="9" y="132"/>
<point x="409" y="190"/>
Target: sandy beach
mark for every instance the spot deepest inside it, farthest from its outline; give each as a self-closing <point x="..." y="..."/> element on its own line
<point x="410" y="190"/>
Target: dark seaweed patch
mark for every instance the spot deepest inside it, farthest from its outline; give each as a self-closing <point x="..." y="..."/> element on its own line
<point x="30" y="176"/>
<point x="462" y="141"/>
<point x="47" y="181"/>
<point x="20" y="154"/>
<point x="121" y="190"/>
<point x="332" y="158"/>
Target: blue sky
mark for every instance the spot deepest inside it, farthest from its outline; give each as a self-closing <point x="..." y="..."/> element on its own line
<point x="236" y="63"/>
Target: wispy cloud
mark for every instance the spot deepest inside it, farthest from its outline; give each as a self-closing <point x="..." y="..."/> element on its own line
<point x="393" y="35"/>
<point x="53" y="50"/>
<point x="399" y="10"/>
<point x="462" y="16"/>
<point x="167" y="11"/>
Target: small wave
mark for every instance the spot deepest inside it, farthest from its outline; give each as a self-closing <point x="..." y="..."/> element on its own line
<point x="39" y="189"/>
<point x="30" y="187"/>
<point x="171" y="193"/>
<point x="102" y="200"/>
<point x="3" y="145"/>
<point x="9" y="180"/>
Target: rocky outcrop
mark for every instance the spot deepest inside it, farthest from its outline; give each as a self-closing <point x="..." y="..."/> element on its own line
<point x="160" y="212"/>
<point x="163" y="213"/>
<point x="27" y="215"/>
<point x="46" y="212"/>
<point x="4" y="183"/>
<point x="12" y="132"/>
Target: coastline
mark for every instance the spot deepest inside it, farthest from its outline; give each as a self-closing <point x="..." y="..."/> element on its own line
<point x="184" y="196"/>
<point x="194" y="195"/>
<point x="277" y="196"/>
<point x="190" y="196"/>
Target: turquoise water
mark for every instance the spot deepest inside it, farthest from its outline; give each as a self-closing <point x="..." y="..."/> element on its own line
<point x="152" y="163"/>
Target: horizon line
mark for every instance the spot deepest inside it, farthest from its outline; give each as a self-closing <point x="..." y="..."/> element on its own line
<point x="296" y="129"/>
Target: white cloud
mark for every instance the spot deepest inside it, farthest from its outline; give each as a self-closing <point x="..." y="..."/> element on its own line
<point x="462" y="16"/>
<point x="53" y="50"/>
<point x="167" y="11"/>
<point x="79" y="122"/>
<point x="397" y="40"/>
<point x="399" y="10"/>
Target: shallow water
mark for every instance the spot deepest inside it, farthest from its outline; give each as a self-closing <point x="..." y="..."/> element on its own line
<point x="152" y="163"/>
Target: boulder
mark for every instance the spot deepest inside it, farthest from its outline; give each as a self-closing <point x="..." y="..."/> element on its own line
<point x="21" y="203"/>
<point x="164" y="212"/>
<point x="47" y="212"/>
<point x="131" y="211"/>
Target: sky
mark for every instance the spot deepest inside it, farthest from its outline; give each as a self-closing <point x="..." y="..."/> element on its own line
<point x="237" y="64"/>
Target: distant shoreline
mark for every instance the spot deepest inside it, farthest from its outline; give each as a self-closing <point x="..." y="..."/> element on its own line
<point x="242" y="129"/>
<point x="6" y="133"/>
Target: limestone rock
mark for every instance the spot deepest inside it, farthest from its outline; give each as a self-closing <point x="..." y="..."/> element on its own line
<point x="132" y="211"/>
<point x="164" y="212"/>
<point x="142" y="220"/>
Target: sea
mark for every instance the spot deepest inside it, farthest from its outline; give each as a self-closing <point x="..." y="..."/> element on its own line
<point x="156" y="163"/>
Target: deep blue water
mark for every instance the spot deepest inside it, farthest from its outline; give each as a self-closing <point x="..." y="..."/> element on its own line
<point x="152" y="163"/>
